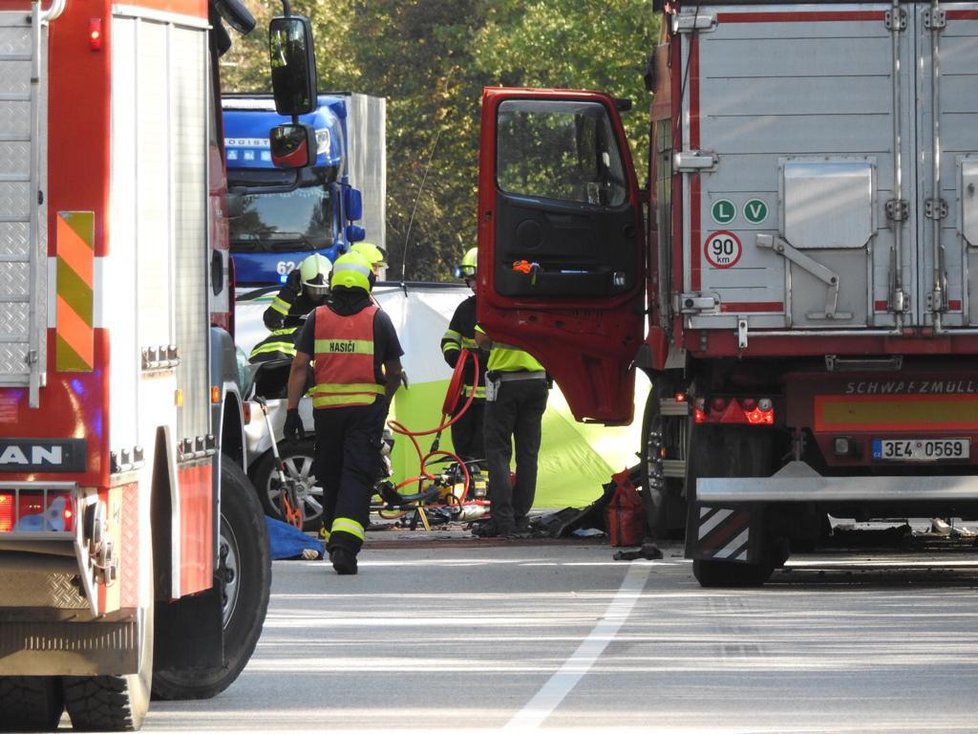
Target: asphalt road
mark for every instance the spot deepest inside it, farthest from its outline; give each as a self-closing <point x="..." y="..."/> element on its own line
<point x="555" y="635"/>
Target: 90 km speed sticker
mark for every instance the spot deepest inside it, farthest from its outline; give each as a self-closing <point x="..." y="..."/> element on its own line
<point x="722" y="249"/>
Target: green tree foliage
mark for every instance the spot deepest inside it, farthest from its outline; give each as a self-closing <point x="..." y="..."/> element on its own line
<point x="431" y="60"/>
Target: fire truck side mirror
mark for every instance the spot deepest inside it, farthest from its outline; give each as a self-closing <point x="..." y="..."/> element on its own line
<point x="293" y="65"/>
<point x="293" y="146"/>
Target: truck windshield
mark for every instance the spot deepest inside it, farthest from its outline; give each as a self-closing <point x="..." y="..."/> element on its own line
<point x="289" y="221"/>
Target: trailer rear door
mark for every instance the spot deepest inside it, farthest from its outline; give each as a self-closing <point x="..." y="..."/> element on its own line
<point x="561" y="244"/>
<point x="825" y="194"/>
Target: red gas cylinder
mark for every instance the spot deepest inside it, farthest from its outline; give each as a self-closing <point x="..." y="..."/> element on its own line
<point x="626" y="514"/>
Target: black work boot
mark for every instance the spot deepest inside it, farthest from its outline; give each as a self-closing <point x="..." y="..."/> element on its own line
<point x="344" y="561"/>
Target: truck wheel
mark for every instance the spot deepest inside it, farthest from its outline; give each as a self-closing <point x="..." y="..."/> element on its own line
<point x="244" y="573"/>
<point x="664" y="439"/>
<point x="298" y="459"/>
<point x="113" y="702"/>
<point x="726" y="574"/>
<point x="30" y="703"/>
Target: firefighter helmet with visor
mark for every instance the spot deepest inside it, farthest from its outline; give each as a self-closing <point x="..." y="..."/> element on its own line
<point x="314" y="275"/>
<point x="371" y="253"/>
<point x="467" y="269"/>
<point x="352" y="271"/>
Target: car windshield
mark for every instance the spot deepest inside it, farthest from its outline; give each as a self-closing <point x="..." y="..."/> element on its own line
<point x="286" y="221"/>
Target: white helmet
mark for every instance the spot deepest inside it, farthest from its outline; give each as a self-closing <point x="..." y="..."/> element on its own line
<point x="314" y="275"/>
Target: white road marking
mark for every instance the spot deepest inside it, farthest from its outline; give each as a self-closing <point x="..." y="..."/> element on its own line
<point x="562" y="682"/>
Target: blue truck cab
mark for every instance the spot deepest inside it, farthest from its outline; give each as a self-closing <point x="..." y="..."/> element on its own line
<point x="279" y="217"/>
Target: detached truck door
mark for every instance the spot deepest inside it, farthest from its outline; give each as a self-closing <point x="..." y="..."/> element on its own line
<point x="561" y="242"/>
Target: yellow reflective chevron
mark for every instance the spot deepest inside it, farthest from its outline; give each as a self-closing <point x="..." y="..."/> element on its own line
<point x="348" y="525"/>
<point x="332" y="395"/>
<point x="74" y="309"/>
<point x="281" y="306"/>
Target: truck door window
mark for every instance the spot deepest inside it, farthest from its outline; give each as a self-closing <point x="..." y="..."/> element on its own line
<point x="565" y="225"/>
<point x="559" y="150"/>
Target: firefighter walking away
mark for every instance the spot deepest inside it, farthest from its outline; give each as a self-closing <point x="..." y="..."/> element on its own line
<point x="356" y="362"/>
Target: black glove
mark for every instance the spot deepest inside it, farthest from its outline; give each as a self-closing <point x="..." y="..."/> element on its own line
<point x="293" y="425"/>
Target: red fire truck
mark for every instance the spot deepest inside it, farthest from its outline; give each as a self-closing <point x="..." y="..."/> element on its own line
<point x="803" y="290"/>
<point x="133" y="552"/>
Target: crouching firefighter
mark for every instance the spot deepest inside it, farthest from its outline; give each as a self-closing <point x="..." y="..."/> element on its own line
<point x="304" y="289"/>
<point x="356" y="358"/>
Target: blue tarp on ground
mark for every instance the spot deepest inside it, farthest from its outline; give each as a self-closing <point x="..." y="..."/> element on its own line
<point x="286" y="541"/>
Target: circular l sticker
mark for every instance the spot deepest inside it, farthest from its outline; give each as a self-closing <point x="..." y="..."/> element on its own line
<point x="722" y="249"/>
<point x="723" y="211"/>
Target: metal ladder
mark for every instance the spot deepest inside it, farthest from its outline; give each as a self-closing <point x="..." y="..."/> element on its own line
<point x="23" y="162"/>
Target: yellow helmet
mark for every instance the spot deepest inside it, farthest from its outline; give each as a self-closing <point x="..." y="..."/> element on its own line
<point x="352" y="271"/>
<point x="314" y="274"/>
<point x="469" y="263"/>
<point x="371" y="253"/>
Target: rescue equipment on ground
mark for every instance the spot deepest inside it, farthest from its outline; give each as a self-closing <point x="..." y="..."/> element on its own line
<point x="626" y="515"/>
<point x="455" y="488"/>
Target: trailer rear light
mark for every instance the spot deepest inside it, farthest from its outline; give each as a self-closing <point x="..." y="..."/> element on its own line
<point x="760" y="417"/>
<point x="751" y="411"/>
<point x="699" y="410"/>
<point x="6" y="512"/>
<point x="36" y="511"/>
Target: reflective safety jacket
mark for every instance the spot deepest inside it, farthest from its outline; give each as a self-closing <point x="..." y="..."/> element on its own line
<point x="280" y="344"/>
<point x="344" y="359"/>
<point x="461" y="335"/>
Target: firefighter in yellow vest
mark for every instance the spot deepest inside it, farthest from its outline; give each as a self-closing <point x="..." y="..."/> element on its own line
<point x="467" y="430"/>
<point x="304" y="289"/>
<point x="517" y="388"/>
<point x="357" y="368"/>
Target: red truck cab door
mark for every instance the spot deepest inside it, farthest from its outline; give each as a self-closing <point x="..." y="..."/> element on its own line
<point x="561" y="269"/>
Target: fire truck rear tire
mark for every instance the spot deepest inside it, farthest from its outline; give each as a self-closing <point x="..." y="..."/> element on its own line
<point x="30" y="703"/>
<point x="245" y="574"/>
<point x="113" y="702"/>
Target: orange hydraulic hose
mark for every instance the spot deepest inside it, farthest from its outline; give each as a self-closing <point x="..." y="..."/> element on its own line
<point x="455" y="386"/>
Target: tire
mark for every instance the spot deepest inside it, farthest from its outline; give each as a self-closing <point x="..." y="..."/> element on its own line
<point x="244" y="574"/>
<point x="663" y="437"/>
<point x="30" y="703"/>
<point x="298" y="459"/>
<point x="114" y="702"/>
<point x="726" y="574"/>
